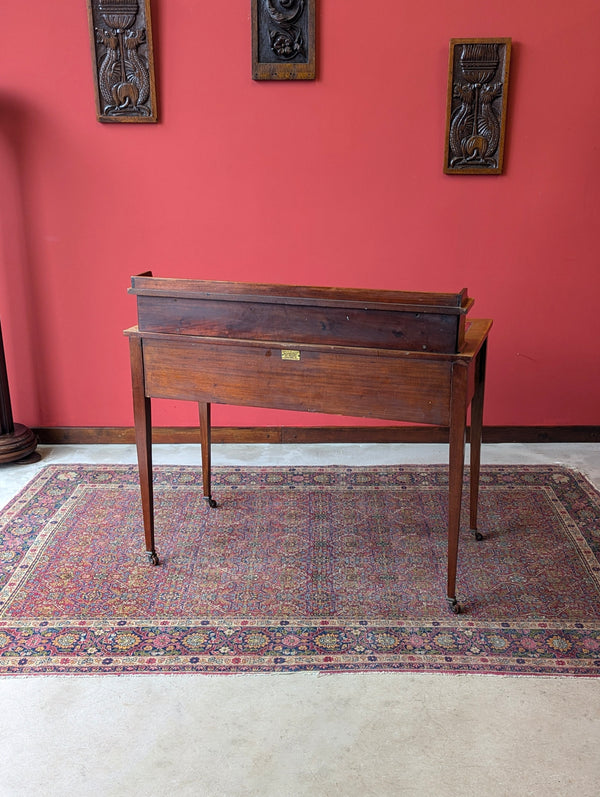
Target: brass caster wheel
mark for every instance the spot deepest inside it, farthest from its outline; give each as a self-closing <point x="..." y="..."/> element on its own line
<point x="478" y="535"/>
<point x="454" y="605"/>
<point x="152" y="557"/>
<point x="210" y="501"/>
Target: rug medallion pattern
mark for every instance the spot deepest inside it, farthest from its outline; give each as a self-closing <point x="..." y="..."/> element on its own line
<point x="327" y="569"/>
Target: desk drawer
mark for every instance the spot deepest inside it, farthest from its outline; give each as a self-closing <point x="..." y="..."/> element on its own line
<point x="353" y="382"/>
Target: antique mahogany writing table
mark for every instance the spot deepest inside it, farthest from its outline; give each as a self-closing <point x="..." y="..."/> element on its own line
<point x="383" y="354"/>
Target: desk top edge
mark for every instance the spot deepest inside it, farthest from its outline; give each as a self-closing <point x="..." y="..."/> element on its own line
<point x="147" y="285"/>
<point x="475" y="337"/>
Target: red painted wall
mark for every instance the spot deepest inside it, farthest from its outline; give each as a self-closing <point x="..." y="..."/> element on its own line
<point x="332" y="182"/>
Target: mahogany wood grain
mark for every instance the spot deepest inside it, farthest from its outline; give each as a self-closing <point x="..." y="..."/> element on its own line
<point x="306" y="314"/>
<point x="142" y="411"/>
<point x="343" y="326"/>
<point x="366" y="384"/>
<point x="476" y="433"/>
<point x="275" y="293"/>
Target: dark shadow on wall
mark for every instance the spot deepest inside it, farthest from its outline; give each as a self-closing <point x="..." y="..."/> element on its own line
<point x="19" y="293"/>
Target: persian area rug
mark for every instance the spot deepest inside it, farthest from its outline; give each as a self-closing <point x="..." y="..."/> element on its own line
<point x="326" y="569"/>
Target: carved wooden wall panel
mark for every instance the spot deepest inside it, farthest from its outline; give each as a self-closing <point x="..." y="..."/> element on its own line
<point x="123" y="62"/>
<point x="476" y="109"/>
<point x="283" y="39"/>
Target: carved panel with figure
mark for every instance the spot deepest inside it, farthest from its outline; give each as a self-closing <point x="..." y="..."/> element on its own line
<point x="283" y="39"/>
<point x="476" y="108"/>
<point x="123" y="62"/>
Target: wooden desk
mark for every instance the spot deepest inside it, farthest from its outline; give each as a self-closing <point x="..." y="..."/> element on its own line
<point x="381" y="354"/>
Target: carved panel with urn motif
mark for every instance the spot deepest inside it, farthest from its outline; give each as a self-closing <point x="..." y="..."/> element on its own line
<point x="283" y="39"/>
<point x="123" y="62"/>
<point x="476" y="107"/>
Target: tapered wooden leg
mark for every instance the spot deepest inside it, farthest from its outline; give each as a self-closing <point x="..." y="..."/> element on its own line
<point x="143" y="441"/>
<point x="458" y="413"/>
<point x="476" y="429"/>
<point x="204" y="413"/>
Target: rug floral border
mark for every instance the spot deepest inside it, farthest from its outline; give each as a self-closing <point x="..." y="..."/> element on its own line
<point x="208" y="645"/>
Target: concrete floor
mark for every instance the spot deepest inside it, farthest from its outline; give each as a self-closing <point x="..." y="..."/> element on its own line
<point x="288" y="735"/>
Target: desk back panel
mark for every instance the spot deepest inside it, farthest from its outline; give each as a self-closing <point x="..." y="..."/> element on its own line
<point x="432" y="322"/>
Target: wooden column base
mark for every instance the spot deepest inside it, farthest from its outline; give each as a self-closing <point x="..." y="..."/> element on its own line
<point x="18" y="446"/>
